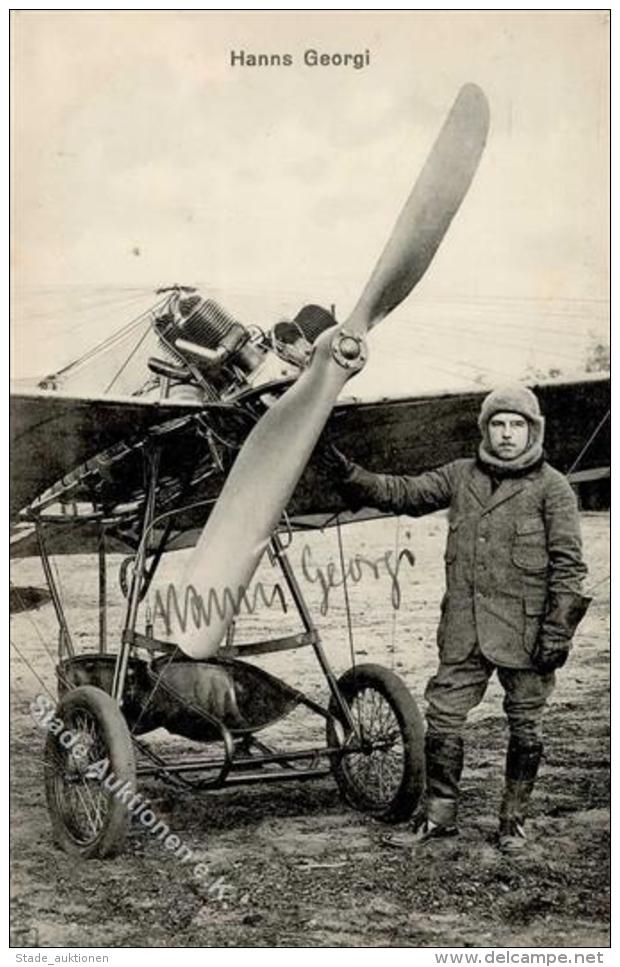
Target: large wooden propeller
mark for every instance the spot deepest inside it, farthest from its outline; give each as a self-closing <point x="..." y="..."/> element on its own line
<point x="275" y="454"/>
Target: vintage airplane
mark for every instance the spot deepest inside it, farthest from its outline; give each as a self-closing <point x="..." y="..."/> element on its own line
<point x="222" y="460"/>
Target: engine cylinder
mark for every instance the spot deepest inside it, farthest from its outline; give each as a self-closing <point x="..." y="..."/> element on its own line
<point x="209" y="325"/>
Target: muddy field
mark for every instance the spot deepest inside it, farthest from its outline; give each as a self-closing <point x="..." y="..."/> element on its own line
<point x="290" y="865"/>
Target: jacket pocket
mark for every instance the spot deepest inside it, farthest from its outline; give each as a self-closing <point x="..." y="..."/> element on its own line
<point x="529" y="548"/>
<point x="452" y="541"/>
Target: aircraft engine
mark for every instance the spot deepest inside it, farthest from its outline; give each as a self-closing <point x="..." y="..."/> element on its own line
<point x="214" y="356"/>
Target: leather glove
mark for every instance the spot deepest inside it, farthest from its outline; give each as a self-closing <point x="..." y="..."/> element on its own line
<point x="564" y="612"/>
<point x="331" y="461"/>
<point x="550" y="654"/>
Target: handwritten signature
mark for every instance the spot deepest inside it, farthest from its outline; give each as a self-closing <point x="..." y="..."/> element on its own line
<point x="227" y="605"/>
<point x="332" y="576"/>
<point x="178" y="610"/>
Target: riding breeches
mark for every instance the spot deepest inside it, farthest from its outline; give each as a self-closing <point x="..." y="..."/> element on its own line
<point x="457" y="688"/>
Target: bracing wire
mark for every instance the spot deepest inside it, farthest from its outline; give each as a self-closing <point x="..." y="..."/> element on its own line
<point x="32" y="669"/>
<point x="112" y="339"/>
<point x="499" y="343"/>
<point x="40" y="635"/>
<point x="127" y="360"/>
<point x="345" y="590"/>
<point x="589" y="442"/>
<point x="393" y="629"/>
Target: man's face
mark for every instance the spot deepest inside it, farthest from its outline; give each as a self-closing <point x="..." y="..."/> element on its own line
<point x="508" y="435"/>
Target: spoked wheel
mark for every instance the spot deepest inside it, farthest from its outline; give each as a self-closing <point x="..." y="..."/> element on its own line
<point x="386" y="777"/>
<point x="85" y="763"/>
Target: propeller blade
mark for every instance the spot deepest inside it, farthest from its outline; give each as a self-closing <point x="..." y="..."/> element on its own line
<point x="257" y="489"/>
<point x="427" y="213"/>
<point x="261" y="482"/>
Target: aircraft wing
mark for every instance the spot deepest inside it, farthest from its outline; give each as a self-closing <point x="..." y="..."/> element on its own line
<point x="53" y="434"/>
<point x="418" y="433"/>
<point x="411" y="435"/>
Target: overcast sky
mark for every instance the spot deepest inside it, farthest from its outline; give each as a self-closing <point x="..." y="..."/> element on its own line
<point x="142" y="157"/>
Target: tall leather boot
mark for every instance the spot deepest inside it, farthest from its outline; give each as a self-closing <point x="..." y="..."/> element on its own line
<point x="444" y="764"/>
<point x="522" y="763"/>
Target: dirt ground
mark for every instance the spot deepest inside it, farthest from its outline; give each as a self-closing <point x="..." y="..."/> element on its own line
<point x="290" y="864"/>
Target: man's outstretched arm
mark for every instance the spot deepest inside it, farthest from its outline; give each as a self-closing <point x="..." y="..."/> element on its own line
<point x="396" y="494"/>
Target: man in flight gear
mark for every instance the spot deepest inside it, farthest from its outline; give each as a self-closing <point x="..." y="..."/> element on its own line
<point x="514" y="572"/>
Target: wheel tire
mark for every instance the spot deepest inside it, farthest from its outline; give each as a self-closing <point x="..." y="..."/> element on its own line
<point x="398" y="804"/>
<point x="95" y="717"/>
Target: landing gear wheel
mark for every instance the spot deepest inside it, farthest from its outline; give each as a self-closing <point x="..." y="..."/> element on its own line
<point x="87" y="819"/>
<point x="386" y="778"/>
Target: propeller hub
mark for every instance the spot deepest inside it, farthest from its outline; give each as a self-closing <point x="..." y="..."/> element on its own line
<point x="349" y="350"/>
